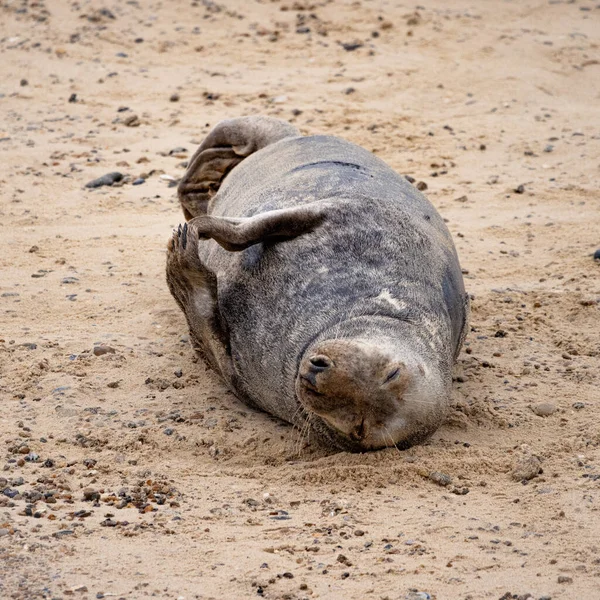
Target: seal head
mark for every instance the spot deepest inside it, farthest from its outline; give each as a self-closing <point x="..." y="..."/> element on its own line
<point x="370" y="392"/>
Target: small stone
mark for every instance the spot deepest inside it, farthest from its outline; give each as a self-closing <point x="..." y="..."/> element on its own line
<point x="520" y="189"/>
<point x="73" y="98"/>
<point x="178" y="373"/>
<point x="4" y="532"/>
<point x="101" y="350"/>
<point x="564" y="579"/>
<point x="107" y="179"/>
<point x="544" y="409"/>
<point x="421" y="186"/>
<point x="24" y="82"/>
<point x="527" y="467"/>
<point x="349" y="90"/>
<point x="597" y="255"/>
<point x="359" y="532"/>
<point x="108" y="523"/>
<point x="138" y="181"/>
<point x="549" y="148"/>
<point x="168" y="431"/>
<point x="63" y="533"/>
<point x="132" y="121"/>
<point x="91" y="495"/>
<point x="174" y="97"/>
<point x="440" y="478"/>
<point x="414" y="595"/>
<point x="578" y="405"/>
<point x="351" y="46"/>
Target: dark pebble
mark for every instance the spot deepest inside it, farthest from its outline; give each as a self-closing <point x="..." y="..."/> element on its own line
<point x="107" y="179"/>
<point x="421" y="186"/>
<point x="520" y="189"/>
<point x="101" y="350"/>
<point x="64" y="532"/>
<point x="139" y="181"/>
<point x="24" y="82"/>
<point x="351" y="46"/>
<point x="597" y="254"/>
<point x="168" y="431"/>
<point x="73" y="98"/>
<point x="174" y="97"/>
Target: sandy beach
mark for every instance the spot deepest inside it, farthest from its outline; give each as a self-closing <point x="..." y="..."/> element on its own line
<point x="127" y="468"/>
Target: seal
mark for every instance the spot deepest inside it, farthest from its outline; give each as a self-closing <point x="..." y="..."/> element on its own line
<point x="321" y="285"/>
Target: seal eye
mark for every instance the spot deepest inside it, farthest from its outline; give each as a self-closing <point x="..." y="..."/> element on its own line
<point x="393" y="374"/>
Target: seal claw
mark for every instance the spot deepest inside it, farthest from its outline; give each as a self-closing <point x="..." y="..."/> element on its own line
<point x="184" y="235"/>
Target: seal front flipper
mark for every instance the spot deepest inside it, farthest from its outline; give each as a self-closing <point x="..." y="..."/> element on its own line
<point x="272" y="226"/>
<point x="225" y="147"/>
<point x="194" y="287"/>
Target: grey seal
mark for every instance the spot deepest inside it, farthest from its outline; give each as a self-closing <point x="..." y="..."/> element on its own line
<point x="321" y="285"/>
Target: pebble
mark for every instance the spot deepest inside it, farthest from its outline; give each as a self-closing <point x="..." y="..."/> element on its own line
<point x="527" y="467"/>
<point x="597" y="255"/>
<point x="101" y="350"/>
<point x="544" y="409"/>
<point x="440" y="478"/>
<point x="90" y="494"/>
<point x="412" y="595"/>
<point x="351" y="46"/>
<point x="520" y="189"/>
<point x="107" y="179"/>
<point x="138" y="181"/>
<point x="4" y="532"/>
<point x="174" y="97"/>
<point x="564" y="579"/>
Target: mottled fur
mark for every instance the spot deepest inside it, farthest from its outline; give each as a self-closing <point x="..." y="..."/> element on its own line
<point x="319" y="249"/>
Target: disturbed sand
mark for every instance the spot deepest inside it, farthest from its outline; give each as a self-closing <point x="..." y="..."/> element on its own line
<point x="129" y="470"/>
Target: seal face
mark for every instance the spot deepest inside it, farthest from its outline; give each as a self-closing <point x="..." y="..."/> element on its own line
<point x="321" y="285"/>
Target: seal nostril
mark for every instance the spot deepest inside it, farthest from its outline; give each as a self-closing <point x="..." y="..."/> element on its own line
<point x="319" y="363"/>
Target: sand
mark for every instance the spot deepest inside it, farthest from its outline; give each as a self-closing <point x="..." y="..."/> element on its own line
<point x="134" y="472"/>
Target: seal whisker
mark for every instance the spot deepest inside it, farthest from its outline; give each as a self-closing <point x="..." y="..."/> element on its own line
<point x="391" y="439"/>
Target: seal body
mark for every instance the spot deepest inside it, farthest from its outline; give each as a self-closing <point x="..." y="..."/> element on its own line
<point x="346" y="311"/>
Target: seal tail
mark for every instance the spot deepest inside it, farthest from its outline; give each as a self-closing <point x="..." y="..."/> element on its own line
<point x="225" y="147"/>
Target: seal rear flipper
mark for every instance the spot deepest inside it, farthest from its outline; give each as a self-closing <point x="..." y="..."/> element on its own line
<point x="225" y="147"/>
<point x="194" y="288"/>
<point x="236" y="235"/>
